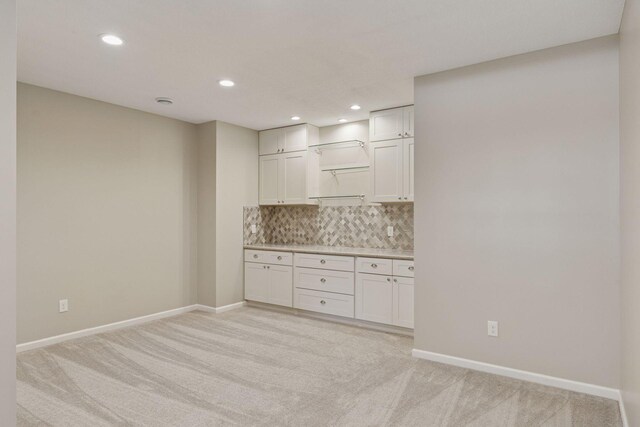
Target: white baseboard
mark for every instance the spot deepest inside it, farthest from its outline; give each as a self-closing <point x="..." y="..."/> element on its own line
<point x="122" y="324"/>
<point x="222" y="309"/>
<point x="592" y="389"/>
<point x="623" y="412"/>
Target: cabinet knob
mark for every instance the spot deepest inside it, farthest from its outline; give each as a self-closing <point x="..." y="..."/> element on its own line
<point x="405" y="198"/>
<point x="323" y="302"/>
<point x="374" y="265"/>
<point x="255" y="256"/>
<point x="411" y="268"/>
<point x="406" y="134"/>
<point x="264" y="266"/>
<point x="322" y="261"/>
<point x="279" y="258"/>
<point x="323" y="280"/>
<point x="388" y="279"/>
<point x="395" y="280"/>
<point x="268" y="267"/>
<point x="399" y="198"/>
<point x="400" y="134"/>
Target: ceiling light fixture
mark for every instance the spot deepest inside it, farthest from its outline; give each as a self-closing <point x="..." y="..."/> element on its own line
<point x="111" y="39"/>
<point x="355" y="107"/>
<point x="295" y="118"/>
<point x="226" y="83"/>
<point x="342" y="120"/>
<point x="164" y="101"/>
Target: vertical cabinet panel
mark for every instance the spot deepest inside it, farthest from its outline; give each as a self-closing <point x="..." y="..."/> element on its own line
<point x="408" y="172"/>
<point x="374" y="298"/>
<point x="386" y="124"/>
<point x="280" y="285"/>
<point x="403" y="301"/>
<point x="386" y="171"/>
<point x="407" y="120"/>
<point x="270" y="179"/>
<point x="256" y="282"/>
<point x="294" y="173"/>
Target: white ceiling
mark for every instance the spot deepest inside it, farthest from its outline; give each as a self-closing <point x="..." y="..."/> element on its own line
<point x="312" y="58"/>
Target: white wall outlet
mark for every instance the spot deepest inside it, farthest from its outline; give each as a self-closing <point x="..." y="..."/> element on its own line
<point x="390" y="231"/>
<point x="254" y="229"/>
<point x="492" y="328"/>
<point x="63" y="305"/>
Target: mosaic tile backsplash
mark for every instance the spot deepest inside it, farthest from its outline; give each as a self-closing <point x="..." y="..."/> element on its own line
<point x="352" y="226"/>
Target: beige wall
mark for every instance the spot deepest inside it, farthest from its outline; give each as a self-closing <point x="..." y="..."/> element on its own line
<point x="207" y="214"/>
<point x="8" y="211"/>
<point x="106" y="213"/>
<point x="236" y="187"/>
<point x="516" y="213"/>
<point x="630" y="206"/>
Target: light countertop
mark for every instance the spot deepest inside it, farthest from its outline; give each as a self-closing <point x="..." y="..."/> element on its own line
<point x="336" y="250"/>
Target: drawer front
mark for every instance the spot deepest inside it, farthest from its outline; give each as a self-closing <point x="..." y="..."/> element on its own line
<point x="323" y="302"/>
<point x="268" y="257"/>
<point x="403" y="268"/>
<point x="341" y="282"/>
<point x="375" y="266"/>
<point x="327" y="262"/>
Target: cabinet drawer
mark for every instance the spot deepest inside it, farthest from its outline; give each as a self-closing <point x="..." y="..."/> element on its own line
<point x="375" y="266"/>
<point x="268" y="257"/>
<point x="324" y="280"/>
<point x="403" y="268"/>
<point x="328" y="262"/>
<point x="323" y="302"/>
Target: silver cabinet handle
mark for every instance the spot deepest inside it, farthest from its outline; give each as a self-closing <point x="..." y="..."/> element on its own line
<point x="388" y="279"/>
<point x="399" y="198"/>
<point x="395" y="280"/>
<point x="268" y="266"/>
<point x="264" y="266"/>
<point x="322" y="261"/>
<point x="411" y="268"/>
<point x="323" y="302"/>
<point x="323" y="280"/>
<point x="406" y="134"/>
<point x="374" y="265"/>
<point x="405" y="198"/>
<point x="400" y="134"/>
<point x="279" y="258"/>
<point x="255" y="256"/>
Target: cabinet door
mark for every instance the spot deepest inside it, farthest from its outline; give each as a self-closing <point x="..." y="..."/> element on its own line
<point x="386" y="171"/>
<point x="280" y="285"/>
<point x="295" y="138"/>
<point x="408" y="169"/>
<point x="403" y="301"/>
<point x="293" y="183"/>
<point x="256" y="282"/>
<point x="386" y="124"/>
<point x="270" y="141"/>
<point x="270" y="171"/>
<point x="374" y="298"/>
<point x="407" y="119"/>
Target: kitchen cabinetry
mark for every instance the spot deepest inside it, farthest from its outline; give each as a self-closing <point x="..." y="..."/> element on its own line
<point x="287" y="139"/>
<point x="287" y="171"/>
<point x="384" y="297"/>
<point x="285" y="178"/>
<point x="391" y="124"/>
<point x="392" y="170"/>
<point x="268" y="278"/>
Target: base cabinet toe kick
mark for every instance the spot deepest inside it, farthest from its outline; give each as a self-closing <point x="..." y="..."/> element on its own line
<point x="373" y="289"/>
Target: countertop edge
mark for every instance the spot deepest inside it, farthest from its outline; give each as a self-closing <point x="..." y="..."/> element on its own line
<point x="340" y="251"/>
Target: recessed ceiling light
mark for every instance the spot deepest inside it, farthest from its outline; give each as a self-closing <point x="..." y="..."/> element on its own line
<point x="355" y="107"/>
<point x="111" y="39"/>
<point x="342" y="120"/>
<point x="164" y="101"/>
<point x="226" y="83"/>
<point x="295" y="118"/>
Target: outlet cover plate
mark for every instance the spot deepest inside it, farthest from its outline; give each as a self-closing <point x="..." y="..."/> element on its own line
<point x="63" y="305"/>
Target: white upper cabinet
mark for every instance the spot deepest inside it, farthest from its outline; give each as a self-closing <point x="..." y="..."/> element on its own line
<point x="285" y="178"/>
<point x="294" y="182"/>
<point x="391" y="124"/>
<point x="270" y="179"/>
<point x="386" y="172"/>
<point x="287" y="139"/>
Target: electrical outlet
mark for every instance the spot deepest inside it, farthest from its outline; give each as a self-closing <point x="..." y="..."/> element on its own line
<point x="254" y="229"/>
<point x="63" y="305"/>
<point x="390" y="231"/>
<point x="492" y="328"/>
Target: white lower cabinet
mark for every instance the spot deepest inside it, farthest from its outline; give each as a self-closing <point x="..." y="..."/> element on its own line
<point x="385" y="298"/>
<point x="269" y="283"/>
<point x="324" y="302"/>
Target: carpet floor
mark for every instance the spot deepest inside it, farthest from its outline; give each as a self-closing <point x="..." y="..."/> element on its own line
<point x="259" y="367"/>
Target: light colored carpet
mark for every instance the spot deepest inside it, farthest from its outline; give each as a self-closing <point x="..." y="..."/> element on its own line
<point x="258" y="367"/>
